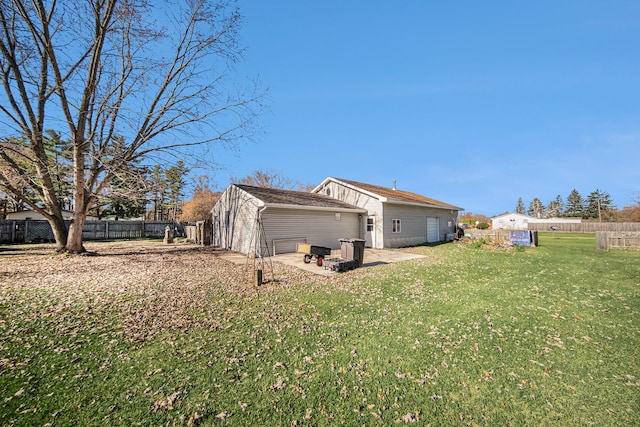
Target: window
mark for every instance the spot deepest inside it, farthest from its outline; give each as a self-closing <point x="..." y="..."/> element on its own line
<point x="369" y="224"/>
<point x="395" y="226"/>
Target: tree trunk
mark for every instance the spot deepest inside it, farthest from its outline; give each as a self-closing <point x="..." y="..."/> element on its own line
<point x="60" y="233"/>
<point x="74" y="241"/>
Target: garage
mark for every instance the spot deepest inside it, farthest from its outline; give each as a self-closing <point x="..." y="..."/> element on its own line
<point x="265" y="221"/>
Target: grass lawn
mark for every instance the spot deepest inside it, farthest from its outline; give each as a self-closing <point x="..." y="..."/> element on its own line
<point x="466" y="336"/>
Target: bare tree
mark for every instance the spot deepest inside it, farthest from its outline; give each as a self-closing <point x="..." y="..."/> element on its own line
<point x="152" y="74"/>
<point x="268" y="179"/>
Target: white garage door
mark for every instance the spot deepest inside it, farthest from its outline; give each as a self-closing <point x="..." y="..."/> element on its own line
<point x="433" y="232"/>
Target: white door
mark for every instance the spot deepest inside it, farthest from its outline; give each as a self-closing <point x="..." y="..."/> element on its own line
<point x="433" y="230"/>
<point x="370" y="235"/>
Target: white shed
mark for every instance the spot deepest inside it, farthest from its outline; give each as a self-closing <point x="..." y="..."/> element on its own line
<point x="516" y="221"/>
<point x="267" y="221"/>
<point x="511" y="221"/>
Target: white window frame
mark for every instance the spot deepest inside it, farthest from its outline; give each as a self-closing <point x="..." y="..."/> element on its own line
<point x="396" y="225"/>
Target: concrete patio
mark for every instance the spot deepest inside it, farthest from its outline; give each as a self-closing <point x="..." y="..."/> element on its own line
<point x="372" y="257"/>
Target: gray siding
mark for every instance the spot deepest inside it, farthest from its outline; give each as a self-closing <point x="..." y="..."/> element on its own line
<point x="362" y="200"/>
<point x="234" y="221"/>
<point x="319" y="228"/>
<point x="414" y="224"/>
<point x="235" y="225"/>
<point x="413" y="217"/>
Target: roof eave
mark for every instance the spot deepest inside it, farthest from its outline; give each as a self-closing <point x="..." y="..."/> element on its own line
<point x="313" y="208"/>
<point x="425" y="205"/>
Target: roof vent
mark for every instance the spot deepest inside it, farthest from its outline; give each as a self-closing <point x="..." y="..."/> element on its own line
<point x="394" y="185"/>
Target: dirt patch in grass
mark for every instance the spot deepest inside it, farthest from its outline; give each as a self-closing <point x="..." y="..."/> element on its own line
<point x="148" y="286"/>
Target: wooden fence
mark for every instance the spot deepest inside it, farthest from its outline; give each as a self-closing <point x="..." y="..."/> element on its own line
<point x="500" y="235"/>
<point x="200" y="233"/>
<point x="586" y="227"/>
<point x="30" y="231"/>
<point x="606" y="240"/>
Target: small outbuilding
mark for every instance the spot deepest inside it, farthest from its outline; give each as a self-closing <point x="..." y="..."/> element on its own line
<point x="267" y="221"/>
<point x="516" y="221"/>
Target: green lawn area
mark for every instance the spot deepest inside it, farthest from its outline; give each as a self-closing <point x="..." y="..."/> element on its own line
<point x="467" y="336"/>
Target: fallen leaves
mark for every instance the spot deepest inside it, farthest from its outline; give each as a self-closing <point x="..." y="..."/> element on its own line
<point x="166" y="403"/>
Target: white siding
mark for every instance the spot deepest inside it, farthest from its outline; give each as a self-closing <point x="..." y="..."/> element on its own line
<point x="511" y="222"/>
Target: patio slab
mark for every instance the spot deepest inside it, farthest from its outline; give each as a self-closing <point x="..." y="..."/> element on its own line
<point x="372" y="257"/>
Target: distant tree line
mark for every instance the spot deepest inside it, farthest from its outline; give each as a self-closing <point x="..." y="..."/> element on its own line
<point x="134" y="191"/>
<point x="598" y="205"/>
<point x="154" y="193"/>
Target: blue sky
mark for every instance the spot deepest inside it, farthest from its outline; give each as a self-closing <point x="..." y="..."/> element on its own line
<point x="472" y="103"/>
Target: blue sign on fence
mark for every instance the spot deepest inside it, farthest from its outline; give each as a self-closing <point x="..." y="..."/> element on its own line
<point x="520" y="237"/>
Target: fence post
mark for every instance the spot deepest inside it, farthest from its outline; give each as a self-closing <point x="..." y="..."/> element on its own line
<point x="601" y="241"/>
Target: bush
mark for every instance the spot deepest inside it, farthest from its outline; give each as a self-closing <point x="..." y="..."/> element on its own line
<point x="477" y="243"/>
<point x="482" y="226"/>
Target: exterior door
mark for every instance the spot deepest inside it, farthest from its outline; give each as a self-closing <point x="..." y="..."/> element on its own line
<point x="433" y="230"/>
<point x="370" y="235"/>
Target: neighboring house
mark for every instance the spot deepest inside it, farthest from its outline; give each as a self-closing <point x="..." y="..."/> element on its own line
<point x="511" y="221"/>
<point x="395" y="218"/>
<point x="516" y="221"/>
<point x="33" y="215"/>
<point x="267" y="221"/>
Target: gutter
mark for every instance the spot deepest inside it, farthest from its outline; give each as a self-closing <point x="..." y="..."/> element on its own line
<point x="312" y="208"/>
<point x="398" y="202"/>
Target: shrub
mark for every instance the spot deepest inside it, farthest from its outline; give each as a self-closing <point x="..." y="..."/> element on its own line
<point x="477" y="243"/>
<point x="482" y="226"/>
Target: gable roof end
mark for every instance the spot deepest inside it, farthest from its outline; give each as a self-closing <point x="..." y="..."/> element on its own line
<point x="273" y="196"/>
<point x="390" y="195"/>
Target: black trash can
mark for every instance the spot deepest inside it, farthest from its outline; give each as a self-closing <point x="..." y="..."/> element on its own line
<point x="352" y="249"/>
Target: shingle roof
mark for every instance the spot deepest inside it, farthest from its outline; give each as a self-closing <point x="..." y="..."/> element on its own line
<point x="398" y="195"/>
<point x="296" y="198"/>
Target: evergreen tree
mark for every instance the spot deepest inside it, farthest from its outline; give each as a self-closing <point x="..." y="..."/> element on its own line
<point x="575" y="205"/>
<point x="599" y="206"/>
<point x="157" y="189"/>
<point x="536" y="208"/>
<point x="175" y="178"/>
<point x="520" y="206"/>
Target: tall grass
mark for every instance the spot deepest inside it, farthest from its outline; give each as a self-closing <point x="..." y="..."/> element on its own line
<point x="467" y="336"/>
